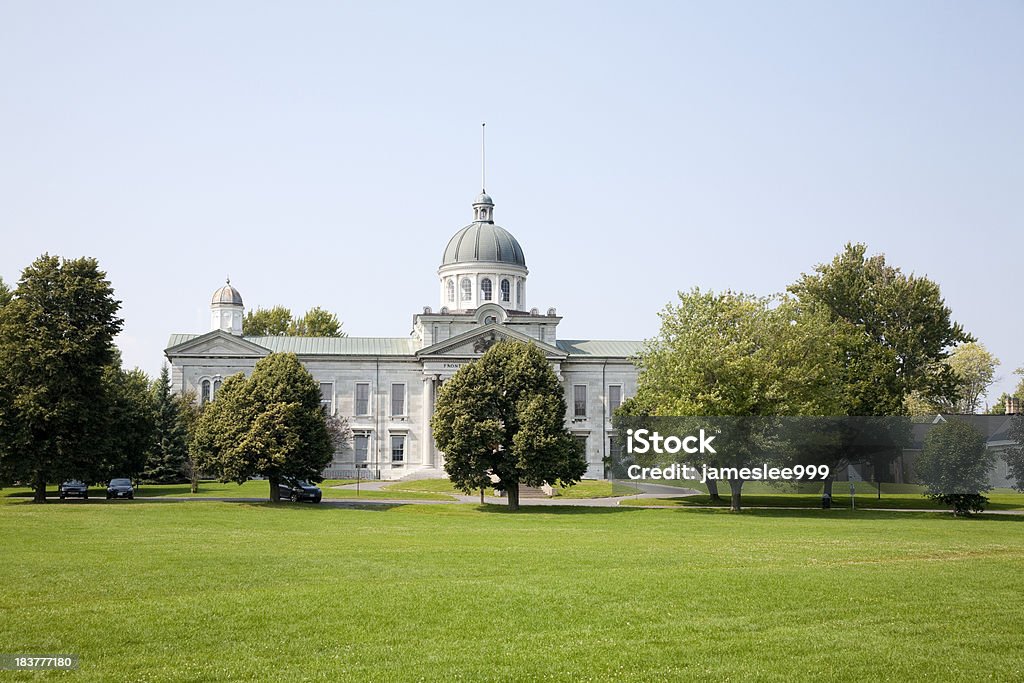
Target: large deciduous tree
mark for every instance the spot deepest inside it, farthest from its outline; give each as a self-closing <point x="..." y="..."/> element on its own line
<point x="267" y="322"/>
<point x="897" y="334"/>
<point x="954" y="465"/>
<point x="903" y="330"/>
<point x="129" y="422"/>
<point x="737" y="355"/>
<point x="974" y="368"/>
<point x="504" y="414"/>
<point x="270" y="425"/>
<point x="56" y="338"/>
<point x="270" y="322"/>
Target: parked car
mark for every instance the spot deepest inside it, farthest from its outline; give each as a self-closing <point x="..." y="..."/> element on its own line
<point x="296" y="490"/>
<point x="120" y="488"/>
<point x="73" y="487"/>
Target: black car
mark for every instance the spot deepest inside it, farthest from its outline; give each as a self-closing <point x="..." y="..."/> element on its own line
<point x="296" y="490"/>
<point x="73" y="487"/>
<point x="120" y="488"/>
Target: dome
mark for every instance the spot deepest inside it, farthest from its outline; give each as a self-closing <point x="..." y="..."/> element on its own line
<point x="483" y="242"/>
<point x="227" y="295"/>
<point x="484" y="198"/>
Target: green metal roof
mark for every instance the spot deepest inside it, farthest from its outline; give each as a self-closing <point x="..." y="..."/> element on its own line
<point x="324" y="346"/>
<point x="603" y="348"/>
<point x="406" y="346"/>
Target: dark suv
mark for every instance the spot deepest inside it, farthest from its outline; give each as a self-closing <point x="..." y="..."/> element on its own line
<point x="120" y="488"/>
<point x="73" y="487"/>
<point x="296" y="490"/>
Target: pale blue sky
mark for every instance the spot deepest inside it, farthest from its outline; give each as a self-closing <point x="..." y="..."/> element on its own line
<point x="322" y="153"/>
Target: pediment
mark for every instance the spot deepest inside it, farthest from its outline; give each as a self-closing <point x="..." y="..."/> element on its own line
<point x="474" y="343"/>
<point x="217" y="344"/>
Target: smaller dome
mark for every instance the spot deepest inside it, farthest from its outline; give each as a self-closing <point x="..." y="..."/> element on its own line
<point x="227" y="295"/>
<point x="484" y="198"/>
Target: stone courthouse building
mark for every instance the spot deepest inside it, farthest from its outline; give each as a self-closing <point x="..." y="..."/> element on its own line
<point x="386" y="386"/>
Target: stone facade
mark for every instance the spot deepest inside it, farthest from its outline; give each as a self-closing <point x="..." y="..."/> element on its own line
<point x="386" y="387"/>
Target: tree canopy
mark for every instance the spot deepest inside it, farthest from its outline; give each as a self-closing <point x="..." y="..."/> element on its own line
<point x="738" y="355"/>
<point x="902" y="330"/>
<point x="504" y="414"/>
<point x="270" y="425"/>
<point x="278" y="320"/>
<point x="974" y="368"/>
<point x="954" y="465"/>
<point x="56" y="339"/>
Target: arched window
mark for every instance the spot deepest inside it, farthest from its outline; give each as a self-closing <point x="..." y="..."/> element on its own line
<point x="216" y="387"/>
<point x="467" y="289"/>
<point x="505" y="290"/>
<point x="519" y="294"/>
<point x="485" y="288"/>
<point x="451" y="291"/>
<point x="204" y="394"/>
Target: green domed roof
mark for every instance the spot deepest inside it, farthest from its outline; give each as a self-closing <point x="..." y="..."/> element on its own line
<point x="483" y="242"/>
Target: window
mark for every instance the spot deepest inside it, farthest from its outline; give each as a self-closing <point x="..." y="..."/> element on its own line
<point x="216" y="387"/>
<point x="614" y="448"/>
<point x="614" y="397"/>
<point x="397" y="449"/>
<point x="451" y="290"/>
<point x="362" y="398"/>
<point x="327" y="397"/>
<point x="506" y="290"/>
<point x="579" y="400"/>
<point x="485" y="288"/>
<point x="490" y="320"/>
<point x="519" y="294"/>
<point x="467" y="289"/>
<point x="204" y="394"/>
<point x="581" y="439"/>
<point x="398" y="399"/>
<point x="361" y="444"/>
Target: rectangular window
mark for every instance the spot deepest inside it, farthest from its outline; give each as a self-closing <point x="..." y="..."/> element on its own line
<point x="579" y="400"/>
<point x="327" y="397"/>
<point x="362" y="398"/>
<point x="581" y="439"/>
<point x="397" y="399"/>
<point x="614" y="397"/>
<point x="361" y="445"/>
<point x="397" y="449"/>
<point x="614" y="449"/>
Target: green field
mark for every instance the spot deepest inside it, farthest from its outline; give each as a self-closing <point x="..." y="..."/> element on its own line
<point x="236" y="591"/>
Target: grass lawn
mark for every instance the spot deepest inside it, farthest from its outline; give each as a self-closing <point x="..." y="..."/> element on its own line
<point x="236" y="591"/>
<point x="894" y="497"/>
<point x="585" y="489"/>
<point x="250" y="489"/>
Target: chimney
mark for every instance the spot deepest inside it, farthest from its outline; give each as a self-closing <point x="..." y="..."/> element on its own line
<point x="1012" y="405"/>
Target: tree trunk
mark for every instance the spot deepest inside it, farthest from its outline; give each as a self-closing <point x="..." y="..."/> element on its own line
<point x="513" y="497"/>
<point x="275" y="494"/>
<point x="735" y="486"/>
<point x="39" y="488"/>
<point x="195" y="483"/>
<point x="713" y="491"/>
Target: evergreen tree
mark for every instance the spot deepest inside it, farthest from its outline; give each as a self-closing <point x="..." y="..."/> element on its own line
<point x="168" y="456"/>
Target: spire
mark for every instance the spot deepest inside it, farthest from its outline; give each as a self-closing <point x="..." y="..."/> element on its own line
<point x="483" y="207"/>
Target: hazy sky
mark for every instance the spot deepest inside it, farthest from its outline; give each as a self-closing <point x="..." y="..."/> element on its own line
<point x="322" y="153"/>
